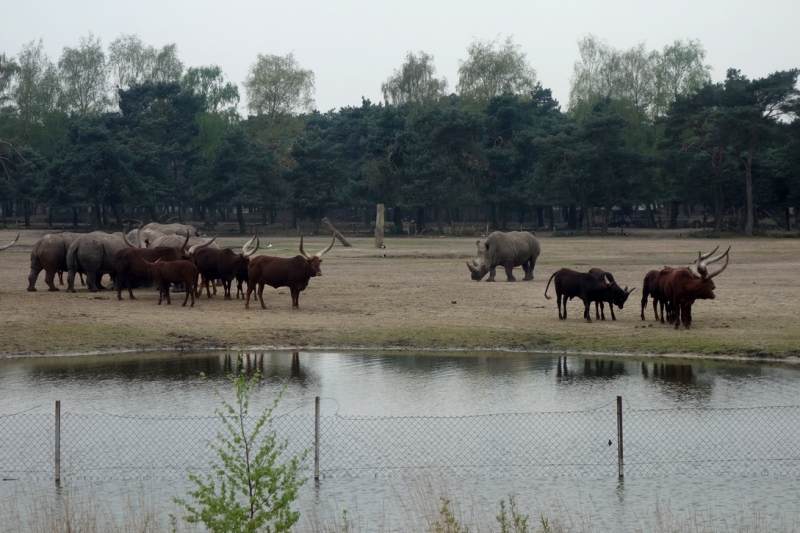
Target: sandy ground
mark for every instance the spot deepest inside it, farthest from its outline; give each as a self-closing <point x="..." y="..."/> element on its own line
<point x="417" y="293"/>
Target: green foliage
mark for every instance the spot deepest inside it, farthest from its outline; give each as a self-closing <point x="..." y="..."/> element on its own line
<point x="277" y="85"/>
<point x="252" y="485"/>
<point x="511" y="520"/>
<point x="448" y="522"/>
<point x="415" y="82"/>
<point x="493" y="69"/>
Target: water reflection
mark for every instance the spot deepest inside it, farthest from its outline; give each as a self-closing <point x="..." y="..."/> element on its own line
<point x="395" y="384"/>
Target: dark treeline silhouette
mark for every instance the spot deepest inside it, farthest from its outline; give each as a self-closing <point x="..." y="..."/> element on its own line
<point x="727" y="154"/>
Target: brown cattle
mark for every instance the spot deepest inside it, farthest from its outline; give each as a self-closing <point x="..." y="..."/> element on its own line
<point x="570" y="283"/>
<point x="277" y="272"/>
<point x="685" y="285"/>
<point x="616" y="295"/>
<point x="654" y="286"/>
<point x="181" y="271"/>
<point x="222" y="264"/>
<point x="131" y="264"/>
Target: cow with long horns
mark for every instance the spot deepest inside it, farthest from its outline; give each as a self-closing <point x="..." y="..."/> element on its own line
<point x="213" y="264"/>
<point x="685" y="285"/>
<point x="277" y="272"/>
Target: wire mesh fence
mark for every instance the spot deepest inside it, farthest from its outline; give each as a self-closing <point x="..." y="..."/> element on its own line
<point x="656" y="442"/>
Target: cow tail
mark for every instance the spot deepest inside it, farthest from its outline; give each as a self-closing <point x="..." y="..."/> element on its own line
<point x="548" y="285"/>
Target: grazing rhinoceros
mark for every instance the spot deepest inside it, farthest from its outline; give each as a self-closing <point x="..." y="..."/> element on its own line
<point x="50" y="254"/>
<point x="507" y="250"/>
<point x="93" y="254"/>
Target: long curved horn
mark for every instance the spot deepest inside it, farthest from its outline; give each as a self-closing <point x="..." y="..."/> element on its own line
<point x="727" y="258"/>
<point x="196" y="247"/>
<point x="701" y="256"/>
<point x="246" y="252"/>
<point x="471" y="268"/>
<point x="12" y="243"/>
<point x="715" y="259"/>
<point x="479" y="246"/>
<point x="129" y="243"/>
<point x="303" y="252"/>
<point x="185" y="242"/>
<point x="326" y="250"/>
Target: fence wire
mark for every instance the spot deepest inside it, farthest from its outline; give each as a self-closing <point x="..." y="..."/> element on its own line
<point x="657" y="442"/>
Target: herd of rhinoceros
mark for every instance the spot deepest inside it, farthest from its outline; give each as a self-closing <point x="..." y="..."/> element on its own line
<point x="674" y="289"/>
<point x="176" y="254"/>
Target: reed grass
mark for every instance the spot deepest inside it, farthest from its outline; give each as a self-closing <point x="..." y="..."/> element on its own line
<point x="427" y="505"/>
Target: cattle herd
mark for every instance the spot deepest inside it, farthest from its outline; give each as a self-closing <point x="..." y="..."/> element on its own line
<point x="176" y="255"/>
<point x="169" y="255"/>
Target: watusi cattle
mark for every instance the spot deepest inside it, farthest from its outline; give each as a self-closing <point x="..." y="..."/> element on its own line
<point x="685" y="285"/>
<point x="131" y="269"/>
<point x="653" y="286"/>
<point x="570" y="283"/>
<point x="223" y="264"/>
<point x="616" y="295"/>
<point x="164" y="273"/>
<point x="277" y="272"/>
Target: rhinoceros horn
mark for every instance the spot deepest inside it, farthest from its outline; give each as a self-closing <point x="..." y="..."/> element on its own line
<point x="471" y="267"/>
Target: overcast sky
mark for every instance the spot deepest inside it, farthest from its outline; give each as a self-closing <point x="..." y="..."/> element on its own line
<point x="352" y="46"/>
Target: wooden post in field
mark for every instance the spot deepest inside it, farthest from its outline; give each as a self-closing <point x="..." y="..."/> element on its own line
<point x="336" y="232"/>
<point x="58" y="441"/>
<point x="379" y="225"/>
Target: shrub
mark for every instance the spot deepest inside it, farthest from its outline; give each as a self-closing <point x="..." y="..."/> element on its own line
<point x="251" y="486"/>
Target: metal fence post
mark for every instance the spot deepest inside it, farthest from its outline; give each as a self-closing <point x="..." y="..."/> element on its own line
<point x="620" y="462"/>
<point x="316" y="438"/>
<point x="58" y="441"/>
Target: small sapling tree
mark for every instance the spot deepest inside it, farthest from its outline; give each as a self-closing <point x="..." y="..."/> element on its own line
<point x="252" y="483"/>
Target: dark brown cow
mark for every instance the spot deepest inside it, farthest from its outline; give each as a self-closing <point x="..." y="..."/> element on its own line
<point x="570" y="283"/>
<point x="130" y="264"/>
<point x="181" y="271"/>
<point x="654" y="287"/>
<point x="685" y="285"/>
<point x="616" y="295"/>
<point x="277" y="272"/>
<point x="222" y="264"/>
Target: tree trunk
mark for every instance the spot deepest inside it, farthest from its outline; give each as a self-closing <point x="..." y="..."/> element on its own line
<point x="718" y="211"/>
<point x="240" y="219"/>
<point x="397" y="218"/>
<point x="420" y="221"/>
<point x="674" y="210"/>
<point x="748" y="178"/>
<point x="606" y="214"/>
<point x="337" y="233"/>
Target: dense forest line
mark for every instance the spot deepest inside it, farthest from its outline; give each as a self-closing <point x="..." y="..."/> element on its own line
<point x="132" y="134"/>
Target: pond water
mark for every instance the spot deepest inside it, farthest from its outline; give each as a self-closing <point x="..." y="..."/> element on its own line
<point x="360" y="384"/>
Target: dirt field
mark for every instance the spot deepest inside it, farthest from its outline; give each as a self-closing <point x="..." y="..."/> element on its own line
<point x="417" y="293"/>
